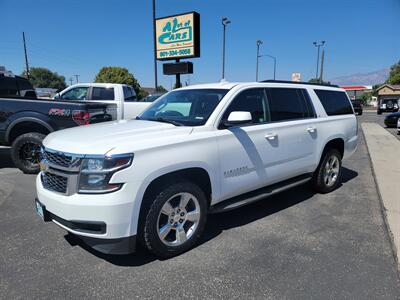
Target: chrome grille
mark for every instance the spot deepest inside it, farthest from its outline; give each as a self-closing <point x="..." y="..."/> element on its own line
<point x="59" y="159"/>
<point x="54" y="182"/>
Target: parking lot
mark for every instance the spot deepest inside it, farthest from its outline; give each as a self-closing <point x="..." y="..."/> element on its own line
<point x="297" y="244"/>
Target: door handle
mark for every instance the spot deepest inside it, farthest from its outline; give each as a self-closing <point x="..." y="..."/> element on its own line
<point x="271" y="136"/>
<point x="311" y="129"/>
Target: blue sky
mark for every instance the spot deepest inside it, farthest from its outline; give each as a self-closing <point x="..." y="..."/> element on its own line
<point x="79" y="37"/>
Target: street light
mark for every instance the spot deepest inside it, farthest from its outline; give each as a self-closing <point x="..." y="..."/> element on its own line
<point x="225" y="22"/>
<point x="259" y="42"/>
<point x="274" y="58"/>
<point x="318" y="45"/>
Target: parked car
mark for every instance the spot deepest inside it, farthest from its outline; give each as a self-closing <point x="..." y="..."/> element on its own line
<point x="398" y="126"/>
<point x="122" y="95"/>
<point x="388" y="105"/>
<point x="391" y="119"/>
<point x="152" y="97"/>
<point x="26" y="120"/>
<point x="197" y="150"/>
<point x="357" y="106"/>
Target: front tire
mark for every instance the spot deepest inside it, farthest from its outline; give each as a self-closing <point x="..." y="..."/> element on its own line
<point x="327" y="176"/>
<point x="175" y="220"/>
<point x="25" y="152"/>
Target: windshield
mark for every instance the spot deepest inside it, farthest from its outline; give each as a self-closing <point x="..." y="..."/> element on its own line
<point x="184" y="107"/>
<point x="389" y="101"/>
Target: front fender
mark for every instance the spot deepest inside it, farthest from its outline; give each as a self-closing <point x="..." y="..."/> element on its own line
<point x="145" y="183"/>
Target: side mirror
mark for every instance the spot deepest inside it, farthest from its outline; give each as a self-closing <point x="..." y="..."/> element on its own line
<point x="238" y="118"/>
<point x="57" y="96"/>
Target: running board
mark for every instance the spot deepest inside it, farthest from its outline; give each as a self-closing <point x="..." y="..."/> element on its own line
<point x="259" y="194"/>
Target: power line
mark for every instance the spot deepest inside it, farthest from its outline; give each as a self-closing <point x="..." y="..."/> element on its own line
<point x="77" y="77"/>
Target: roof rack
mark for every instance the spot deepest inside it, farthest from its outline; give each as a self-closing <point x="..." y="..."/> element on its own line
<point x="298" y="82"/>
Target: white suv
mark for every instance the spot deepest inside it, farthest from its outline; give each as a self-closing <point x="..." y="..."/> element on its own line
<point x="196" y="150"/>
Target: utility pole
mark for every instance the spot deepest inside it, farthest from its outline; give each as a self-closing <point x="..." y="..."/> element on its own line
<point x="26" y="56"/>
<point x="225" y="22"/>
<point x="77" y="78"/>
<point x="259" y="42"/>
<point x="322" y="66"/>
<point x="318" y="45"/>
<point x="155" y="52"/>
<point x="70" y="80"/>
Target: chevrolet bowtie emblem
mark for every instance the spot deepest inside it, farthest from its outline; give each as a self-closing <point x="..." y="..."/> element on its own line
<point x="43" y="166"/>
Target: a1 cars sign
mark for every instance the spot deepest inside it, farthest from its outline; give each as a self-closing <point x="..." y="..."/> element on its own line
<point x="178" y="36"/>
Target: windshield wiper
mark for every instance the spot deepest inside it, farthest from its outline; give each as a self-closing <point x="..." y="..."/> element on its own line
<point x="160" y="119"/>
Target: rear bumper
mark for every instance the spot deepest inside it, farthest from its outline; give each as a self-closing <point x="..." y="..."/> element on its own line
<point x="350" y="146"/>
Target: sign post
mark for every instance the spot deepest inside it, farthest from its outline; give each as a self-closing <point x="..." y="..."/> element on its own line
<point x="178" y="37"/>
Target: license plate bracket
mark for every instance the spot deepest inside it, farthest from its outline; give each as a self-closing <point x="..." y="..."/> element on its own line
<point x="41" y="211"/>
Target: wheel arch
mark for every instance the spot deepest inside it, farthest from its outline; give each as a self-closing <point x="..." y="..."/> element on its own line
<point x="196" y="174"/>
<point x="333" y="143"/>
<point x="26" y="125"/>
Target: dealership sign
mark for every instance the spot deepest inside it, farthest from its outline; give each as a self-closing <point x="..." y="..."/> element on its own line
<point x="178" y="36"/>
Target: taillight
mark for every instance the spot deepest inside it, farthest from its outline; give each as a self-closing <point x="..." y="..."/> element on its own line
<point x="80" y="117"/>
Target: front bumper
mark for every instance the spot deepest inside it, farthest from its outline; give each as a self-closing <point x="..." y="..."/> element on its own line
<point x="103" y="221"/>
<point x="392" y="122"/>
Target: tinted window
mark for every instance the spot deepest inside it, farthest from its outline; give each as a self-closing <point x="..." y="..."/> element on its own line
<point x="129" y="93"/>
<point x="334" y="102"/>
<point x="8" y="86"/>
<point x="289" y="104"/>
<point x="25" y="88"/>
<point x="253" y="101"/>
<point x="99" y="93"/>
<point x="78" y="93"/>
<point x="24" y="84"/>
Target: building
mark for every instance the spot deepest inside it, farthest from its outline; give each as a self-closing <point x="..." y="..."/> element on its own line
<point x="389" y="91"/>
<point x="356" y="91"/>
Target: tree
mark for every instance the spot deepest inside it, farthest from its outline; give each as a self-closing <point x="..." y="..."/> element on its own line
<point x="366" y="98"/>
<point x="161" y="89"/>
<point x="316" y="80"/>
<point x="44" y="78"/>
<point x="394" y="75"/>
<point x="119" y="75"/>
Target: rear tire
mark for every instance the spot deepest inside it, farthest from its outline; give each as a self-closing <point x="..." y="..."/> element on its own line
<point x="327" y="176"/>
<point x="171" y="226"/>
<point x="379" y="112"/>
<point x="25" y="152"/>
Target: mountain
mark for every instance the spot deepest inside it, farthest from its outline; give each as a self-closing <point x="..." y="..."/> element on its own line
<point x="371" y="78"/>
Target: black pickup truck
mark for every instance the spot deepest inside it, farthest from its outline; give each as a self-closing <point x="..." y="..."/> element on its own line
<point x="26" y="120"/>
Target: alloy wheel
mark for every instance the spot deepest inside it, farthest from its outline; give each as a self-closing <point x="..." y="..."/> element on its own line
<point x="178" y="219"/>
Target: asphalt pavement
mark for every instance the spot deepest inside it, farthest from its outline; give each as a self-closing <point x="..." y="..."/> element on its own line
<point x="295" y="245"/>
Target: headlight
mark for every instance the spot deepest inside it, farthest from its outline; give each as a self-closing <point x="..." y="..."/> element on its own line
<point x="96" y="173"/>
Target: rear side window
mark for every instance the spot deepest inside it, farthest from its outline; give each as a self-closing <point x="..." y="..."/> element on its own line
<point x="99" y="93"/>
<point x="289" y="104"/>
<point x="334" y="102"/>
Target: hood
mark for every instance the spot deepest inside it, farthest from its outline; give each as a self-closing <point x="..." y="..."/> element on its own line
<point x="124" y="135"/>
